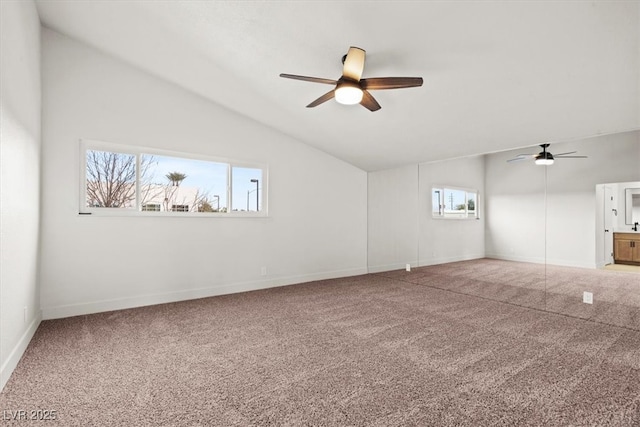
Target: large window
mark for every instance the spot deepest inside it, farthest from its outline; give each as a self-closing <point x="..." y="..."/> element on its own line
<point x="449" y="202"/>
<point x="128" y="180"/>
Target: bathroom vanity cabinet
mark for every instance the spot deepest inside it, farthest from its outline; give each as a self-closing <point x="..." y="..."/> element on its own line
<point x="626" y="248"/>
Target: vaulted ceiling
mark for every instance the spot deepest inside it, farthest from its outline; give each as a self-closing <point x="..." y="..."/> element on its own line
<point x="497" y="75"/>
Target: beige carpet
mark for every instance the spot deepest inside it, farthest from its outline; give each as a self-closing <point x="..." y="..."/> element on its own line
<point x="616" y="295"/>
<point x="371" y="350"/>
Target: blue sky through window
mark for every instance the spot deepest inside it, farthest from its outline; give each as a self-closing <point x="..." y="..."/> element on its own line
<point x="454" y="200"/>
<point x="244" y="196"/>
<point x="209" y="178"/>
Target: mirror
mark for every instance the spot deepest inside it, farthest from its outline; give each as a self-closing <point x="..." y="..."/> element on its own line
<point x="632" y="205"/>
<point x="539" y="239"/>
<point x="550" y="211"/>
<point x="583" y="278"/>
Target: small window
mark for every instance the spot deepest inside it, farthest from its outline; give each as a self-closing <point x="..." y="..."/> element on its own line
<point x="455" y="203"/>
<point x="447" y="202"/>
<point x="247" y="189"/>
<point x="471" y="204"/>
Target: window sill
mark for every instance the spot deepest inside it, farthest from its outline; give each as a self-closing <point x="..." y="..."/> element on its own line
<point x="453" y="218"/>
<point x="121" y="213"/>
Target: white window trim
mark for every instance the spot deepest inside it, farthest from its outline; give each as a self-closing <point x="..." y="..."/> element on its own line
<point x="456" y="218"/>
<point x="90" y="144"/>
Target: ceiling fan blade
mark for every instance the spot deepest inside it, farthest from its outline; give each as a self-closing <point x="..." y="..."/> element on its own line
<point x="523" y="157"/>
<point x="378" y="83"/>
<point x="309" y="79"/>
<point x="569" y="157"/>
<point x="353" y="64"/>
<point x="518" y="159"/>
<point x="324" y="98"/>
<point x="369" y="102"/>
<point x="562" y="154"/>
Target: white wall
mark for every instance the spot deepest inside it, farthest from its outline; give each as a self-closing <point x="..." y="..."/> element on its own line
<point x="515" y="208"/>
<point x="19" y="180"/>
<point x="401" y="228"/>
<point x="393" y="218"/>
<point x="317" y="224"/>
<point x="516" y="226"/>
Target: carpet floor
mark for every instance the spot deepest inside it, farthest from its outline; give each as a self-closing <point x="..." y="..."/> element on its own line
<point x="393" y="349"/>
<point x="616" y="294"/>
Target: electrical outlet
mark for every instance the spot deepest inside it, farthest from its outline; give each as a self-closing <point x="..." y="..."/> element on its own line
<point x="263" y="271"/>
<point x="587" y="297"/>
<point x="407" y="267"/>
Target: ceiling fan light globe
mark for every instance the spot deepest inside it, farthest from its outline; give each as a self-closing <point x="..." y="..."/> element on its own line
<point x="545" y="158"/>
<point x="348" y="94"/>
<point x="544" y="162"/>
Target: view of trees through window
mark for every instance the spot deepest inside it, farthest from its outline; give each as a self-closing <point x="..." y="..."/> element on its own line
<point x="159" y="183"/>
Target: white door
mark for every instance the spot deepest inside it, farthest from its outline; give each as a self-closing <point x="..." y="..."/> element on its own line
<point x="608" y="225"/>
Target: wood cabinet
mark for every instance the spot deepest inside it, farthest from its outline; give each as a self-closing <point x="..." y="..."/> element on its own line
<point x="626" y="248"/>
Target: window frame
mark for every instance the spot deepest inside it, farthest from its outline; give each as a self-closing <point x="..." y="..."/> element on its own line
<point x="138" y="151"/>
<point x="442" y="214"/>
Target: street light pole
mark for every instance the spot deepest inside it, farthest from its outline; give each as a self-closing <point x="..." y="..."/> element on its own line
<point x="257" y="196"/>
<point x="217" y="202"/>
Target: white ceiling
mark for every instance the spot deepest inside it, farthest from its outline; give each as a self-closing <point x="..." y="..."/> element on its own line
<point x="497" y="75"/>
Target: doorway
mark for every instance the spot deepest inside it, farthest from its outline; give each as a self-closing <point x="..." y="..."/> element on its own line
<point x="606" y="210"/>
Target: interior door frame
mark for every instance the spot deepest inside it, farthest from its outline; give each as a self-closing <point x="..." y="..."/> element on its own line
<point x="604" y="221"/>
<point x="608" y="212"/>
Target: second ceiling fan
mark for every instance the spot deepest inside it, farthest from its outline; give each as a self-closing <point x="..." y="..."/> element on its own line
<point x="545" y="157"/>
<point x="351" y="88"/>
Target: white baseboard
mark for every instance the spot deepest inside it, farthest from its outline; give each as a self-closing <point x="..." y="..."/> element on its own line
<point x="80" y="309"/>
<point x="535" y="260"/>
<point x="390" y="267"/>
<point x="445" y="260"/>
<point x="541" y="260"/>
<point x="422" y="263"/>
<point x="18" y="350"/>
<point x="568" y="263"/>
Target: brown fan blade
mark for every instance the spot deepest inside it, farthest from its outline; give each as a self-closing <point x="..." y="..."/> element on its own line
<point x="324" y="98"/>
<point x="369" y="102"/>
<point x="353" y="64"/>
<point x="378" y="83"/>
<point x="309" y="79"/>
<point x="563" y="154"/>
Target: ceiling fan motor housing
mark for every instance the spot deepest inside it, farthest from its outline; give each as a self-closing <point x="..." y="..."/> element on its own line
<point x="544" y="155"/>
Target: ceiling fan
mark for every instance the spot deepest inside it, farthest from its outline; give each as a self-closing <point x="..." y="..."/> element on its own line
<point x="545" y="157"/>
<point x="351" y="88"/>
